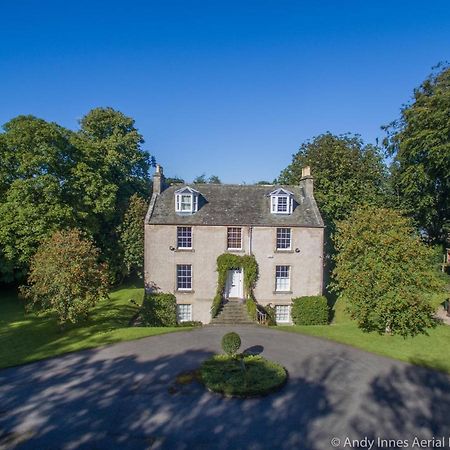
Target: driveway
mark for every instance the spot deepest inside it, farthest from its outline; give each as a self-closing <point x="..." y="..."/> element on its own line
<point x="122" y="396"/>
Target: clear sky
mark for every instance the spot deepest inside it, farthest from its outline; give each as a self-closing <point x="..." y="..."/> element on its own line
<point x="230" y="88"/>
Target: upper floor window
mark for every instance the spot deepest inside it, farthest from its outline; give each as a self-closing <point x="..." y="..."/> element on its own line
<point x="283" y="238"/>
<point x="186" y="200"/>
<point x="281" y="201"/>
<point x="184" y="237"/>
<point x="234" y="238"/>
<point x="184" y="277"/>
<point x="282" y="278"/>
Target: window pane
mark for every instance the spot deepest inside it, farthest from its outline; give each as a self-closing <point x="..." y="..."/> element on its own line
<point x="282" y="313"/>
<point x="184" y="276"/>
<point x="283" y="238"/>
<point x="184" y="313"/>
<point x="186" y="202"/>
<point x="184" y="237"/>
<point x="234" y="238"/>
<point x="282" y="204"/>
<point x="282" y="278"/>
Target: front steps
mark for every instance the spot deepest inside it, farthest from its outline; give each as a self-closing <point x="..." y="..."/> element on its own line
<point x="232" y="312"/>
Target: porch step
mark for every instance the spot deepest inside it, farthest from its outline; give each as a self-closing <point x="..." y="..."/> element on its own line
<point x="232" y="312"/>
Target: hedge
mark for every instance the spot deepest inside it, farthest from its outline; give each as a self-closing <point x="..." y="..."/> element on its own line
<point x="159" y="310"/>
<point x="312" y="310"/>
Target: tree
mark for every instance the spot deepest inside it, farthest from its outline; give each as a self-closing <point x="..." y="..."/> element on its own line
<point x="35" y="196"/>
<point x="173" y="180"/>
<point x="66" y="277"/>
<point x="346" y="173"/>
<point x="131" y="233"/>
<point x="112" y="167"/>
<point x="200" y="179"/>
<point x="384" y="272"/>
<point x="420" y="144"/>
<point x="214" y="179"/>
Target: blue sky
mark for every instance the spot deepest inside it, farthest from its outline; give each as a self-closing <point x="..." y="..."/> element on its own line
<point x="228" y="88"/>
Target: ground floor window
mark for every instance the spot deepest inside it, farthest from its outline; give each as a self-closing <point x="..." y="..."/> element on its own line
<point x="184" y="277"/>
<point x="282" y="313"/>
<point x="184" y="313"/>
<point x="282" y="278"/>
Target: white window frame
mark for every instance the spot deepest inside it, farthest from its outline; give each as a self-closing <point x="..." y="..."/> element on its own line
<point x="182" y="237"/>
<point x="284" y="317"/>
<point x="228" y="238"/>
<point x="184" y="312"/>
<point x="281" y="236"/>
<point x="275" y="203"/>
<point x="281" y="285"/>
<point x="183" y="277"/>
<point x="186" y="197"/>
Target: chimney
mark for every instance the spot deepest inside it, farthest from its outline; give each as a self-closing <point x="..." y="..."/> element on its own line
<point x="158" y="180"/>
<point x="307" y="182"/>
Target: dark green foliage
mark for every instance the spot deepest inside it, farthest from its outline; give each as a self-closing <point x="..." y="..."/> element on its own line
<point x="231" y="342"/>
<point x="228" y="261"/>
<point x="159" y="310"/>
<point x="420" y="142"/>
<point x="270" y="312"/>
<point x="245" y="377"/>
<point x="346" y="173"/>
<point x="202" y="179"/>
<point x="131" y="233"/>
<point x="385" y="272"/>
<point x="251" y="308"/>
<point x="53" y="179"/>
<point x="66" y="277"/>
<point x="310" y="310"/>
<point x="191" y="323"/>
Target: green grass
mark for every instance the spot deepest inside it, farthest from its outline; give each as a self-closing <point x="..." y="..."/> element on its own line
<point x="25" y="337"/>
<point x="256" y="376"/>
<point x="430" y="351"/>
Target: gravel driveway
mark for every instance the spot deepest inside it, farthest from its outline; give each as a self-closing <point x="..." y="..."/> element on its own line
<point x="123" y="396"/>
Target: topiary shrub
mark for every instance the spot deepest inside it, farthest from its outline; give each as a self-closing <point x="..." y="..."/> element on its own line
<point x="159" y="310"/>
<point x="231" y="343"/>
<point x="312" y="310"/>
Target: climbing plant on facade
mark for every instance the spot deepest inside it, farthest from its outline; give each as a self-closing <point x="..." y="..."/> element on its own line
<point x="228" y="261"/>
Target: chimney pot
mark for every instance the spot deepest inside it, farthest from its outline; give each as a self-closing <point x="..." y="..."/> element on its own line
<point x="307" y="182"/>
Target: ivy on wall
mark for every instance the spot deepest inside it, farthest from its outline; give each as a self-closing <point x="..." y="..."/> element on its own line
<point x="228" y="261"/>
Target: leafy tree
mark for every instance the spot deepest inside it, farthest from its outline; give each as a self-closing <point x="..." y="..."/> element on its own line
<point x="263" y="182"/>
<point x="35" y="199"/>
<point x="420" y="143"/>
<point x="214" y="179"/>
<point x="131" y="233"/>
<point x="112" y="167"/>
<point x="346" y="173"/>
<point x="384" y="272"/>
<point x="66" y="277"/>
<point x="200" y="179"/>
<point x="173" y="180"/>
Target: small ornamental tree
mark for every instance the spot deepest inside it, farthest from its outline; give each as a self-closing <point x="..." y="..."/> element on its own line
<point x="385" y="272"/>
<point x="66" y="277"/>
<point x="132" y="235"/>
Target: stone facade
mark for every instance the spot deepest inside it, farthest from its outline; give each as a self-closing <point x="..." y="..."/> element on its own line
<point x="304" y="258"/>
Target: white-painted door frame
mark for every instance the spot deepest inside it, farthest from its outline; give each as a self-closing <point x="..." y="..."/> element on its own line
<point x="234" y="287"/>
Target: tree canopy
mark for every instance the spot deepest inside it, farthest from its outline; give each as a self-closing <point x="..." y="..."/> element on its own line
<point x="420" y="143"/>
<point x="385" y="272"/>
<point x="346" y="173"/>
<point x="52" y="178"/>
<point x="66" y="276"/>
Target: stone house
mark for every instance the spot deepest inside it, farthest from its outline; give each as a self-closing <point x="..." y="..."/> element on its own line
<point x="188" y="226"/>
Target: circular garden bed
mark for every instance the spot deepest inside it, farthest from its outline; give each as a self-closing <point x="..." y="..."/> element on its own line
<point x="242" y="375"/>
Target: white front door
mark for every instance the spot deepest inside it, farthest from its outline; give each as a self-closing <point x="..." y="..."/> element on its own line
<point x="234" y="286"/>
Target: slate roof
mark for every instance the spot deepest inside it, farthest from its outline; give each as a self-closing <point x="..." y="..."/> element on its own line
<point x="229" y="204"/>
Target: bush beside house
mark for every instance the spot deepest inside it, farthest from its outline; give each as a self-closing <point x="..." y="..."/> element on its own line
<point x="312" y="310"/>
<point x="159" y="310"/>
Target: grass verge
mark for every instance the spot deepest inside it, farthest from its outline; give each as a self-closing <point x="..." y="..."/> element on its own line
<point x="26" y="337"/>
<point x="429" y="351"/>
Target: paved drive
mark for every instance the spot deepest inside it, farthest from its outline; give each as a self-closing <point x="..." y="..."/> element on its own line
<point x="120" y="396"/>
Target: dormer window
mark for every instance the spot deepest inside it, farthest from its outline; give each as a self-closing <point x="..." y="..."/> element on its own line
<point x="281" y="202"/>
<point x="186" y="200"/>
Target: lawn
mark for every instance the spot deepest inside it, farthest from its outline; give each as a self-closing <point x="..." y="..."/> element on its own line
<point x="430" y="351"/>
<point x="26" y="337"/>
